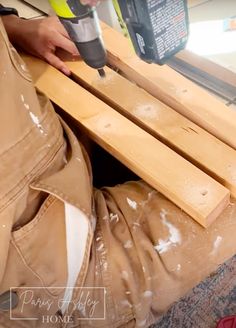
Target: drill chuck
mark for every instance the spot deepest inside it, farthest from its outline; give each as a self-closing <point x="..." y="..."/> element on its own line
<point x="93" y="53"/>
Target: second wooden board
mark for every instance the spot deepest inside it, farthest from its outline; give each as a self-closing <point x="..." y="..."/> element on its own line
<point x="172" y="88"/>
<point x="179" y="133"/>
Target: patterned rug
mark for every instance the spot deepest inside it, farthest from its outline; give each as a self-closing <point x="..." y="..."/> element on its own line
<point x="207" y="303"/>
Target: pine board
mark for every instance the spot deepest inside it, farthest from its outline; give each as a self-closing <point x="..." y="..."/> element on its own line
<point x="170" y="127"/>
<point x="188" y="187"/>
<point x="172" y="88"/>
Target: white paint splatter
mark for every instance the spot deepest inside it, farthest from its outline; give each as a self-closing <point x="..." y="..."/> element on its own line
<point x="216" y="245"/>
<point x="35" y="119"/>
<point x="150" y="195"/>
<point x="125" y="275"/>
<point x="217" y="241"/>
<point x="23" y="67"/>
<point x="163" y="214"/>
<point x="114" y="217"/>
<point x="148" y="293"/>
<point x="105" y="266"/>
<point x="128" y="244"/>
<point x="174" y="235"/>
<point x="100" y="247"/>
<point x="132" y="204"/>
<point x="178" y="267"/>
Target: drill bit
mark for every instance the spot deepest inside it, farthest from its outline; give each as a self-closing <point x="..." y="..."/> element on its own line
<point x="101" y="73"/>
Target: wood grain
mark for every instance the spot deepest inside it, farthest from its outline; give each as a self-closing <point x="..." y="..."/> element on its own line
<point x="172" y="88"/>
<point x="176" y="131"/>
<point x="208" y="66"/>
<point x="188" y="187"/>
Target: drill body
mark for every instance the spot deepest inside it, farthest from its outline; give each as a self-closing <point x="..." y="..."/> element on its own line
<point x="82" y="25"/>
<point x="158" y="29"/>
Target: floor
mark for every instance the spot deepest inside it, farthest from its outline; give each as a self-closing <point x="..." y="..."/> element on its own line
<point x="207" y="303"/>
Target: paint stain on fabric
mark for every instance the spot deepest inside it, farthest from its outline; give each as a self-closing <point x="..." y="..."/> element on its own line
<point x="23" y="67"/>
<point x="149" y="198"/>
<point x="216" y="245"/>
<point x="148" y="294"/>
<point x="132" y="203"/>
<point x="114" y="217"/>
<point x="100" y="248"/>
<point x="173" y="239"/>
<point x="124" y="275"/>
<point x="178" y="267"/>
<point x="35" y="119"/>
<point x="128" y="244"/>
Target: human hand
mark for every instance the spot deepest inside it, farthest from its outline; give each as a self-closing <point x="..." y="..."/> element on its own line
<point x="41" y="38"/>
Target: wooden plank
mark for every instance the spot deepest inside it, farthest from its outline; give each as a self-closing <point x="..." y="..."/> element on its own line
<point x="208" y="66"/>
<point x="172" y="88"/>
<point x="179" y="133"/>
<point x="188" y="187"/>
<point x="225" y="92"/>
